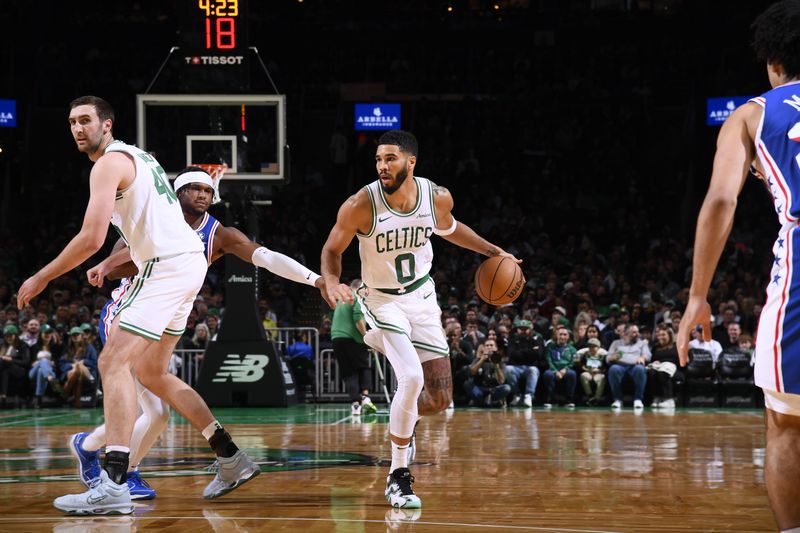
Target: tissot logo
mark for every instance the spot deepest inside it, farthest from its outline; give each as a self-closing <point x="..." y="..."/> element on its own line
<point x="240" y="279"/>
<point x="213" y="60"/>
<point x="246" y="370"/>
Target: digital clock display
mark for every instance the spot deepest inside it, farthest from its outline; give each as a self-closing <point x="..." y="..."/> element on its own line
<point x="220" y="24"/>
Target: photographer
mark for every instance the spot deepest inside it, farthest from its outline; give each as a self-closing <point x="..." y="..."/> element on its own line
<point x="487" y="385"/>
<point x="461" y="356"/>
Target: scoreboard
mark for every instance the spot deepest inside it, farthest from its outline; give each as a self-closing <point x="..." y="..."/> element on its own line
<point x="214" y="32"/>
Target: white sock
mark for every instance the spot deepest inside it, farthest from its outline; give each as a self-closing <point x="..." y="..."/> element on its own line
<point x="95" y="440"/>
<point x="208" y="432"/>
<point x="399" y="457"/>
<point x="123" y="449"/>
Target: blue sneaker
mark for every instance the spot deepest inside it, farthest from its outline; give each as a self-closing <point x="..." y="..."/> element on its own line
<point x="140" y="489"/>
<point x="88" y="462"/>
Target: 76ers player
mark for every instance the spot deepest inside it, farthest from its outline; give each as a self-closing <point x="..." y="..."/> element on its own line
<point x="764" y="133"/>
<point x="195" y="191"/>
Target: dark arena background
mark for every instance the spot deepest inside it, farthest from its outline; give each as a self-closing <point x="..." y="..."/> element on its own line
<point x="576" y="134"/>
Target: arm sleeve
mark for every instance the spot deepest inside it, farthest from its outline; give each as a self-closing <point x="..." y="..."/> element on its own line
<point x="284" y="266"/>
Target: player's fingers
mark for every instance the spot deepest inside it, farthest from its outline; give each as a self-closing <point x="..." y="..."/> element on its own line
<point x="706" y="331"/>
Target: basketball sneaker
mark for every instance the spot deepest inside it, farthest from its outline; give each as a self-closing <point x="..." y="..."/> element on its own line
<point x="103" y="497"/>
<point x="367" y="407"/>
<point x="527" y="401"/>
<point x="515" y="400"/>
<point x="668" y="404"/>
<point x="233" y="472"/>
<point x="88" y="462"/>
<point x="399" y="492"/>
<point x="138" y="487"/>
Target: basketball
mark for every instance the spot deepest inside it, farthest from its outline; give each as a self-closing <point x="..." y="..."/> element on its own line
<point x="499" y="280"/>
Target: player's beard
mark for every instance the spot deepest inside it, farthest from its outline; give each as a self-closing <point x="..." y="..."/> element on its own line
<point x="398" y="182"/>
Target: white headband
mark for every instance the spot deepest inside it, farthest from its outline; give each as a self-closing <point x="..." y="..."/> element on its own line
<point x="198" y="176"/>
<point x="193" y="176"/>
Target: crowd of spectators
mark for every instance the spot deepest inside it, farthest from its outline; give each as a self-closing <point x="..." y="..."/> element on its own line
<point x="563" y="144"/>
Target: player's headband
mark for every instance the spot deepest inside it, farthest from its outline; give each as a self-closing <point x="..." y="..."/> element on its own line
<point x="197" y="176"/>
<point x="193" y="176"/>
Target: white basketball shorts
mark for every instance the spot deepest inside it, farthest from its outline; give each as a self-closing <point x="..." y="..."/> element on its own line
<point x="415" y="314"/>
<point x="162" y="295"/>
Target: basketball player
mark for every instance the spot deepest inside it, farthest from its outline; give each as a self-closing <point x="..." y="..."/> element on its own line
<point x="196" y="191"/>
<point x="394" y="218"/>
<point x="129" y="188"/>
<point x="764" y="132"/>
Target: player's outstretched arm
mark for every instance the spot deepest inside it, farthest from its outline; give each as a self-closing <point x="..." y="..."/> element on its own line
<point x="355" y="215"/>
<point x="457" y="232"/>
<point x="232" y="241"/>
<point x="735" y="152"/>
<point x="107" y="174"/>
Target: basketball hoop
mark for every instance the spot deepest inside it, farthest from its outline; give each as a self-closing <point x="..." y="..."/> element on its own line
<point x="216" y="171"/>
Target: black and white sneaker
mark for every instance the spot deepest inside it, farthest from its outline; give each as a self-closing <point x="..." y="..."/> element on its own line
<point x="399" y="493"/>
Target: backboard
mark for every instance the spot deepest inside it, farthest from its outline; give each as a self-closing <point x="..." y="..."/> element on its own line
<point x="247" y="132"/>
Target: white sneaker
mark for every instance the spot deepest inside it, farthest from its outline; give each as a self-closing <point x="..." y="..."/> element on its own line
<point x="617" y="404"/>
<point x="233" y="472"/>
<point x="514" y="400"/>
<point x="667" y="404"/>
<point x="656" y="403"/>
<point x="637" y="404"/>
<point x="399" y="493"/>
<point x="570" y="405"/>
<point x="103" y="497"/>
<point x="547" y="406"/>
<point x="527" y="401"/>
<point x="374" y="339"/>
<point x="355" y="409"/>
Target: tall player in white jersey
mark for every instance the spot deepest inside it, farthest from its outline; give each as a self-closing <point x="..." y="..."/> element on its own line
<point x="394" y="218"/>
<point x="129" y="188"/>
<point x="763" y="135"/>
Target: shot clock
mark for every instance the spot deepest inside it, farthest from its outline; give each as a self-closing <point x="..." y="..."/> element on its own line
<point x="215" y="28"/>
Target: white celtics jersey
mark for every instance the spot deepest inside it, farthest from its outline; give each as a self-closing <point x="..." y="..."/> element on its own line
<point x="148" y="215"/>
<point x="397" y="251"/>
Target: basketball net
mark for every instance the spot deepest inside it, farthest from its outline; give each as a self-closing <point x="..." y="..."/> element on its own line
<point x="216" y="171"/>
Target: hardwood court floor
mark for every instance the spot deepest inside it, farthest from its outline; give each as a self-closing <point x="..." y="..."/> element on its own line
<point x="588" y="470"/>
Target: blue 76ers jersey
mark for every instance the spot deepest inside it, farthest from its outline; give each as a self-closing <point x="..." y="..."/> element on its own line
<point x="206" y="231"/>
<point x="777" y="145"/>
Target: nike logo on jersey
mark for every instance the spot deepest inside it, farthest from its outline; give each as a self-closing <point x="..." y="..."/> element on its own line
<point x="309" y="276"/>
<point x="384" y="219"/>
<point x="426" y="296"/>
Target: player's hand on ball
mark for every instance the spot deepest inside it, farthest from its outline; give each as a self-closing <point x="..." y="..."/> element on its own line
<point x="503" y="253"/>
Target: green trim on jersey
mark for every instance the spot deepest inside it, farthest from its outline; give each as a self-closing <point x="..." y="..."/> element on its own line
<point x="139" y="283"/>
<point x="433" y="204"/>
<point x="374" y="214"/>
<point x="174" y="332"/>
<point x="416" y="207"/>
<point x="431" y="348"/>
<point x="136" y="330"/>
<point x="382" y="325"/>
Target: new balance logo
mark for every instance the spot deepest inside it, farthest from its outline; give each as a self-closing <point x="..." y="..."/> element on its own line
<point x="247" y="370"/>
